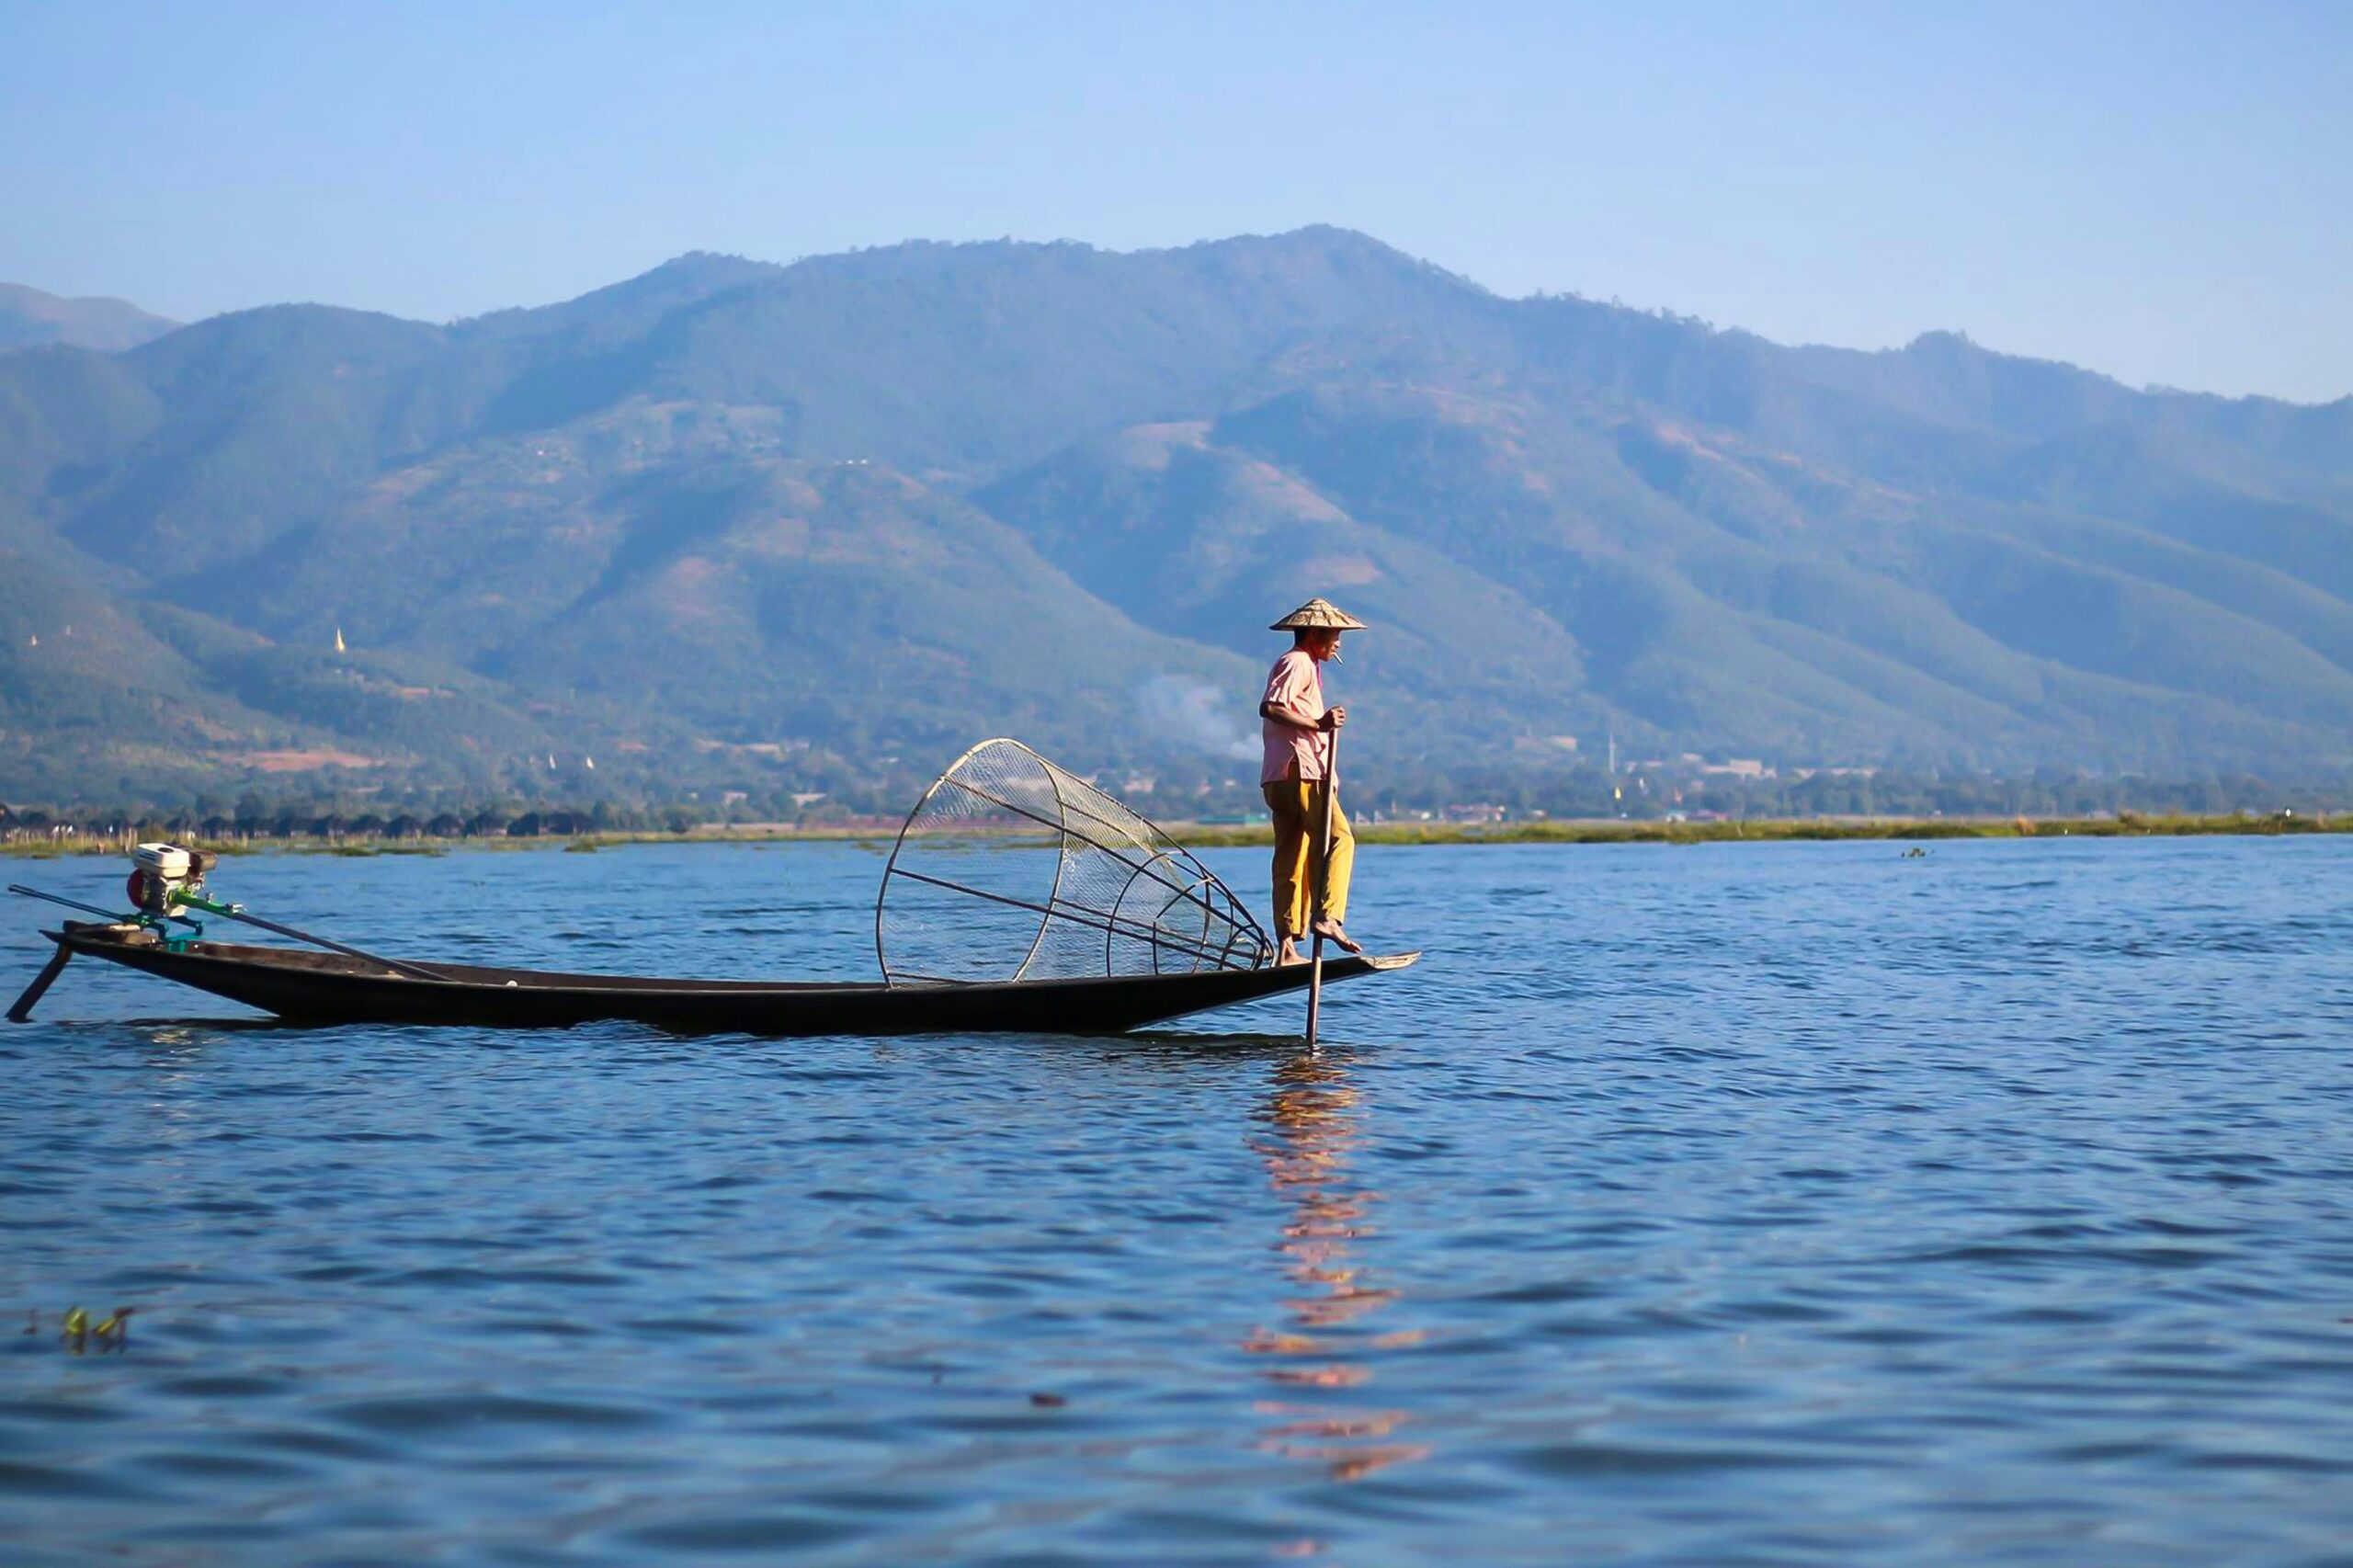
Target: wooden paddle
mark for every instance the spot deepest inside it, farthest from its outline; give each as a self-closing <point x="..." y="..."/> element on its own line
<point x="1323" y="888"/>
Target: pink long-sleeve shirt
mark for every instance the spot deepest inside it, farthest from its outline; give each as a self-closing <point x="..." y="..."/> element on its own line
<point x="1296" y="686"/>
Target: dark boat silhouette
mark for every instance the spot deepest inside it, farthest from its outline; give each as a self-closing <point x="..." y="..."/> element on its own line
<point x="1018" y="898"/>
<point x="335" y="988"/>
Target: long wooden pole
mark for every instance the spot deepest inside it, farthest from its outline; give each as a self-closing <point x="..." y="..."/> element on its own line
<point x="1323" y="889"/>
<point x="414" y="971"/>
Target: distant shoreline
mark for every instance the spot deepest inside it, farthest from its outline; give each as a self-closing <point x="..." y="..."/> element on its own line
<point x="2127" y="824"/>
<point x="1223" y="835"/>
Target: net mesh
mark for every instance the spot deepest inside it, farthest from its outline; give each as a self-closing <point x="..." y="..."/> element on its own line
<point x="1011" y="868"/>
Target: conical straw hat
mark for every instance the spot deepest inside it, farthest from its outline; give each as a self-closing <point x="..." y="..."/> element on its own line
<point x="1318" y="615"/>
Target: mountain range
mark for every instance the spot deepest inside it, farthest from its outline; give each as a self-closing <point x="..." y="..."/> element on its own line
<point x="28" y="316"/>
<point x="736" y="520"/>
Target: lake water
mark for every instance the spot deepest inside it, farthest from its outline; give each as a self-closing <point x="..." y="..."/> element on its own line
<point x="1782" y="1203"/>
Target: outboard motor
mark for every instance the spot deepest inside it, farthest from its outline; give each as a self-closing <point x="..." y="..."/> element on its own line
<point x="166" y="877"/>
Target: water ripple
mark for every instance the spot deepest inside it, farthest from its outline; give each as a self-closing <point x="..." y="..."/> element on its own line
<point x="1736" y="1204"/>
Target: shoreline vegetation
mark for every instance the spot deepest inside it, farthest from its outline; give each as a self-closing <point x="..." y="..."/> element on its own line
<point x="1230" y="836"/>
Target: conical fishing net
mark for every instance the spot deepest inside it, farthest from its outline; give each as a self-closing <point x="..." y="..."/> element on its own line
<point x="1011" y="868"/>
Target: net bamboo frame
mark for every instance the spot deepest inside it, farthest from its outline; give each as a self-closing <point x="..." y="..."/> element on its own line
<point x="1011" y="868"/>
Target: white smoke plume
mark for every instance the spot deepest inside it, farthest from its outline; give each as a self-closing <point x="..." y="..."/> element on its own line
<point x="1195" y="715"/>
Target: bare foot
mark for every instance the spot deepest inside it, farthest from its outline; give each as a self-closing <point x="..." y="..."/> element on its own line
<point x="1333" y="932"/>
<point x="1287" y="952"/>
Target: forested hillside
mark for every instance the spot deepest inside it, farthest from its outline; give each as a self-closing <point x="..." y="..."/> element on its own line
<point x="736" y="521"/>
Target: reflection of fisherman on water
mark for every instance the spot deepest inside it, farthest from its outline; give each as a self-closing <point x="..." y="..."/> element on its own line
<point x="1313" y="1116"/>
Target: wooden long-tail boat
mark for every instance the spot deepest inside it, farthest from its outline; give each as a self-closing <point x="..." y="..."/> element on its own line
<point x="1018" y="898"/>
<point x="329" y="988"/>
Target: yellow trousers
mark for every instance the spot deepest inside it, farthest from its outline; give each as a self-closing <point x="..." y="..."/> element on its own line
<point x="1297" y="807"/>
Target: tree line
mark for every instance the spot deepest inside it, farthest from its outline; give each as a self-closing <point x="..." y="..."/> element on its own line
<point x="1191" y="792"/>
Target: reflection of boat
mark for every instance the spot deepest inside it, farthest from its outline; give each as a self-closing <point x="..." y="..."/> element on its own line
<point x="1018" y="898"/>
<point x="332" y="988"/>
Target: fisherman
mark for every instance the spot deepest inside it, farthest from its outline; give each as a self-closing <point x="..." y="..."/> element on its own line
<point x="1296" y="778"/>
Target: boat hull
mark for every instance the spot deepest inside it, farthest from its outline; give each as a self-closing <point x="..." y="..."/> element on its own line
<point x="328" y="988"/>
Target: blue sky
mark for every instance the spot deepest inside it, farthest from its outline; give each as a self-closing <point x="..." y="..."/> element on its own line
<point x="2162" y="192"/>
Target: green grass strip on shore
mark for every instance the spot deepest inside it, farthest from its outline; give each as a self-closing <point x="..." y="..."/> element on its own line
<point x="2125" y="824"/>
